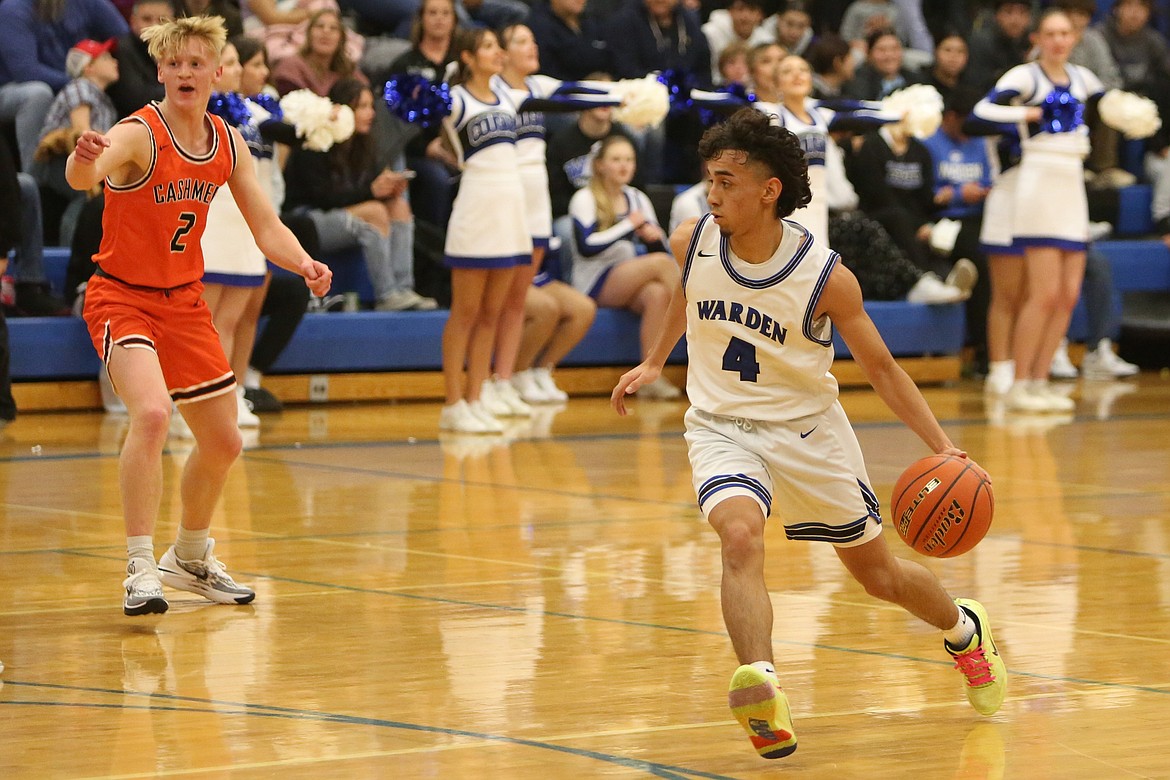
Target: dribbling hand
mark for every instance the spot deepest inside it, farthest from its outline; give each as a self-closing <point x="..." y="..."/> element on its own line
<point x="90" y="146"/>
<point x="317" y="276"/>
<point x="631" y="381"/>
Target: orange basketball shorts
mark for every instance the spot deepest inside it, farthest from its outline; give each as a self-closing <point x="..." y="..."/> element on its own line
<point x="175" y="324"/>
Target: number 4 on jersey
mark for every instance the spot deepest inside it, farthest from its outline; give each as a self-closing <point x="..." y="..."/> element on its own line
<point x="740" y="357"/>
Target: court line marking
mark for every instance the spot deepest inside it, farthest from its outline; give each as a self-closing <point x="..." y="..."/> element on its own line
<point x="264" y="710"/>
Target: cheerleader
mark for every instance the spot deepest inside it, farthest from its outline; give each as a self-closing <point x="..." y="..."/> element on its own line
<point x="1040" y="207"/>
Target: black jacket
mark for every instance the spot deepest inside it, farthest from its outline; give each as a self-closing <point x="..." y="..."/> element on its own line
<point x="565" y="53"/>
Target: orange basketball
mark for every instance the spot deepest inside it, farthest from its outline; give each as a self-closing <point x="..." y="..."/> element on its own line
<point x="943" y="505"/>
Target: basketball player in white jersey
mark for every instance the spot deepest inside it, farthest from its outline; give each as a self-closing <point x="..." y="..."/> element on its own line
<point x="758" y="301"/>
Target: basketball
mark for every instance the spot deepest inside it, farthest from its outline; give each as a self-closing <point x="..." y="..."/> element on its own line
<point x="943" y="505"/>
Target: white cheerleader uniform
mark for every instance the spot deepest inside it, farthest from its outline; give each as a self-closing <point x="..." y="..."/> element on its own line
<point x="596" y="252"/>
<point x="488" y="227"/>
<point x="230" y="254"/>
<point x="765" y="420"/>
<point x="1050" y="207"/>
<point x="530" y="153"/>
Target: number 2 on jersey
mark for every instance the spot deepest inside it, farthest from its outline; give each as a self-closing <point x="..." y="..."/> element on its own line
<point x="740" y="357"/>
<point x="187" y="220"/>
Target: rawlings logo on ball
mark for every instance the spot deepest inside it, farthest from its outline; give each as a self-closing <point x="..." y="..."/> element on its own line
<point x="904" y="520"/>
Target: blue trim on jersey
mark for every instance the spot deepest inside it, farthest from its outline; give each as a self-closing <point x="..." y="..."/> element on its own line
<point x="233" y="280"/>
<point x="692" y="246"/>
<point x="871" y="501"/>
<point x="1059" y="243"/>
<point x="992" y="249"/>
<point x="492" y="142"/>
<point x="814" y="299"/>
<point x="540" y="242"/>
<point x="823" y="532"/>
<point x="725" y="481"/>
<point x="542" y="279"/>
<point x="502" y="261"/>
<point x="779" y="276"/>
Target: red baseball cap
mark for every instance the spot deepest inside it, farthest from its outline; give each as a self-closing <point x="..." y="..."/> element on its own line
<point x="84" y="52"/>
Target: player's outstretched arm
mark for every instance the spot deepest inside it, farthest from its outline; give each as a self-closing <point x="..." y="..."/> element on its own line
<point x="124" y="153"/>
<point x="673" y="328"/>
<point x="273" y="237"/>
<point x="842" y="302"/>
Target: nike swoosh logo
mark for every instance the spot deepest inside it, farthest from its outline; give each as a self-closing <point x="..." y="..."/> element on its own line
<point x="706" y="254"/>
<point x="806" y="435"/>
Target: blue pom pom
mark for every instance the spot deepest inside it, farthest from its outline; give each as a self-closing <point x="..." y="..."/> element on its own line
<point x="713" y="117"/>
<point x="270" y="104"/>
<point x="415" y="99"/>
<point x="1063" y="113"/>
<point x="678" y="87"/>
<point x="231" y="107"/>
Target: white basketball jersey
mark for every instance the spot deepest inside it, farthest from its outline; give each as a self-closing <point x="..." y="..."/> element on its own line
<point x="755" y="348"/>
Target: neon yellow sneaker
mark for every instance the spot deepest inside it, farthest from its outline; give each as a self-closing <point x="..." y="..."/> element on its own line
<point x="760" y="706"/>
<point x="980" y="663"/>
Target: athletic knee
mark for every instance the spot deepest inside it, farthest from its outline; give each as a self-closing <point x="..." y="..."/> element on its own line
<point x="741" y="539"/>
<point x="152" y="419"/>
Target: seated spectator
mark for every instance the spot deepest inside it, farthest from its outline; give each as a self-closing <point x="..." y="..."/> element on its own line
<point x="435" y="167"/>
<point x="137" y="82"/>
<point x="283" y="29"/>
<point x="229" y="10"/>
<point x="1143" y="57"/>
<point x="620" y="258"/>
<point x="764" y="72"/>
<point x="792" y="27"/>
<point x="321" y="61"/>
<point x="733" y="67"/>
<point x="691" y="203"/>
<point x="740" y="22"/>
<point x="37" y="37"/>
<point x="571" y="151"/>
<point x="571" y="42"/>
<point x="354" y="201"/>
<point x="81" y="105"/>
<point x="950" y="60"/>
<point x="556" y="318"/>
<point x="1000" y="46"/>
<point x="31" y="296"/>
<point x="883" y="71"/>
<point x="832" y="65"/>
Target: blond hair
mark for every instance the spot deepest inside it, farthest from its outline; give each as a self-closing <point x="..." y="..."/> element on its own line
<point x="168" y="39"/>
<point x="606" y="208"/>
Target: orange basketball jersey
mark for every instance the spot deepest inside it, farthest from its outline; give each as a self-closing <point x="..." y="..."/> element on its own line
<point x="151" y="228"/>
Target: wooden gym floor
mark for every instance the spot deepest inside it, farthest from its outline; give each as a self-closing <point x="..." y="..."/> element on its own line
<point x="549" y="607"/>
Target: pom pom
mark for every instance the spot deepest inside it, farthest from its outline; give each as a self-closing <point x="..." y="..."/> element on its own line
<point x="919" y="105"/>
<point x="1133" y="115"/>
<point x="314" y="118"/>
<point x="645" y="101"/>
<point x="415" y="99"/>
<point x="1063" y="113"/>
<point x="716" y="106"/>
<point x="231" y="107"/>
<point x="269" y="103"/>
<point x="342" y="125"/>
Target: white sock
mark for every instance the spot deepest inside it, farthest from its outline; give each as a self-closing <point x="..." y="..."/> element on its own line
<point x="141" y="547"/>
<point x="960" y="636"/>
<point x="765" y="666"/>
<point x="191" y="545"/>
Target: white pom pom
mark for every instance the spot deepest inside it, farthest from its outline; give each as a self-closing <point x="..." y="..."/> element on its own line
<point x="1133" y="115"/>
<point x="316" y="119"/>
<point x="645" y="101"/>
<point x="919" y="105"/>
<point x="342" y="126"/>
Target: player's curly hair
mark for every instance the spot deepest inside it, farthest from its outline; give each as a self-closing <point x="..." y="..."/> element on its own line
<point x="167" y="39"/>
<point x="751" y="132"/>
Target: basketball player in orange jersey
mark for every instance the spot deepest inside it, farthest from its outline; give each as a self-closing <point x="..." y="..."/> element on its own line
<point x="758" y="301"/>
<point x="161" y="166"/>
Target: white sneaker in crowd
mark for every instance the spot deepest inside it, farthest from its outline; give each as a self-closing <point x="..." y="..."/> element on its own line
<point x="660" y="389"/>
<point x="489" y="421"/>
<point x="506" y="392"/>
<point x="963" y="276"/>
<point x="930" y="289"/>
<point x="1103" y="363"/>
<point x="544" y="380"/>
<point x="490" y="401"/>
<point x="1062" y="367"/>
<point x="245" y="417"/>
<point x="1000" y="375"/>
<point x="526" y="385"/>
<point x="459" y="418"/>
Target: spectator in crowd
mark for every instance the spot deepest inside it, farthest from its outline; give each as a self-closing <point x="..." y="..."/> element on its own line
<point x="950" y="60"/>
<point x="883" y="71"/>
<point x="488" y="235"/>
<point x="556" y="318"/>
<point x="740" y="22"/>
<point x="31" y="294"/>
<point x="81" y="105"/>
<point x="321" y="62"/>
<point x="11" y="233"/>
<point x="1001" y="45"/>
<point x="432" y="38"/>
<point x="355" y="200"/>
<point x="137" y="82"/>
<point x="37" y="37"/>
<point x="863" y="18"/>
<point x="792" y="27"/>
<point x="228" y="10"/>
<point x="764" y="72"/>
<point x="620" y="257"/>
<point x="571" y="151"/>
<point x="572" y="43"/>
<point x="832" y="65"/>
<point x="283" y="26"/>
<point x="1143" y="57"/>
<point x="733" y="64"/>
